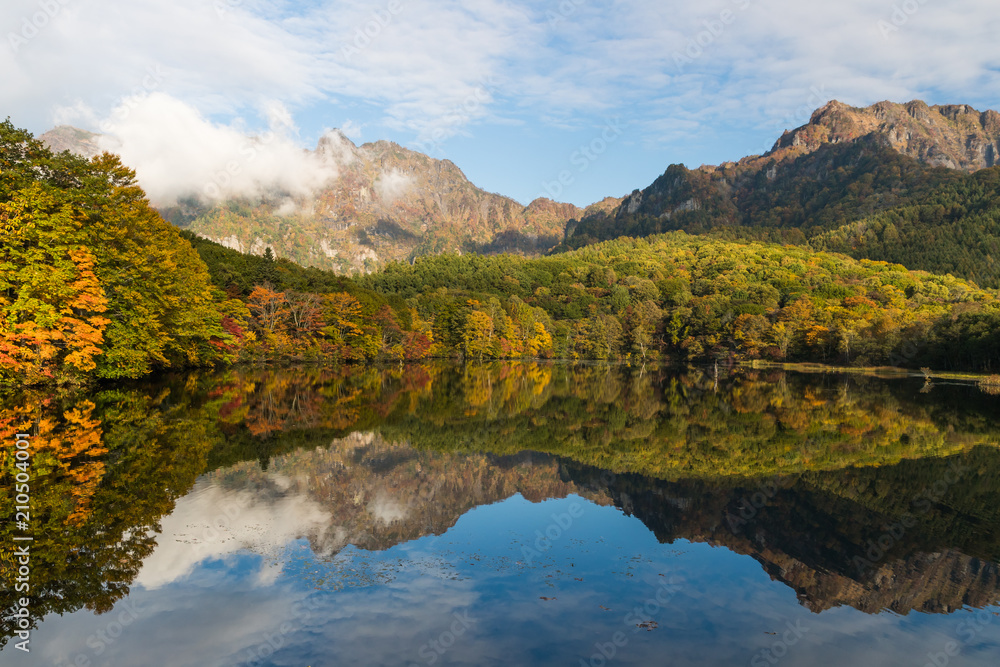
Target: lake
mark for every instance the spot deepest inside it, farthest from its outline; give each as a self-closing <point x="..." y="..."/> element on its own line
<point x="508" y="514"/>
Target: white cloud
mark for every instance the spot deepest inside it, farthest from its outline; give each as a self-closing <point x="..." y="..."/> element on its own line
<point x="421" y="63"/>
<point x="766" y="63"/>
<point x="78" y="113"/>
<point x="351" y="130"/>
<point x="393" y="184"/>
<point x="279" y="119"/>
<point x="388" y="510"/>
<point x="177" y="152"/>
<point x="100" y="52"/>
<point x="211" y="523"/>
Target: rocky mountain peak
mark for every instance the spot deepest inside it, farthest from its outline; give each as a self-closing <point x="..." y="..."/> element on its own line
<point x="955" y="136"/>
<point x="387" y="203"/>
<point x="831" y="108"/>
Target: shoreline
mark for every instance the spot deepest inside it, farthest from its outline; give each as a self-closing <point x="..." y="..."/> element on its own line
<point x="886" y="372"/>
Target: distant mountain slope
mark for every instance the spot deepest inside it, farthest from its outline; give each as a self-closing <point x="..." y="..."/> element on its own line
<point x="847" y="165"/>
<point x="72" y="139"/>
<point x="388" y="203"/>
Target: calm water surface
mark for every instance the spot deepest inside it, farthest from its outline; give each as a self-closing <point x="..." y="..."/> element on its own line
<point x="511" y="514"/>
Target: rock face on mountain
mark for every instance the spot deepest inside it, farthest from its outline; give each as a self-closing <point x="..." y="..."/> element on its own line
<point x="953" y="136"/>
<point x="837" y="136"/>
<point x="380" y="494"/>
<point x="387" y="203"/>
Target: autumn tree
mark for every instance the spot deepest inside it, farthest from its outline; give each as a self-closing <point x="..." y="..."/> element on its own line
<point x="270" y="311"/>
<point x="95" y="281"/>
<point x="479" y="335"/>
<point x="52" y="304"/>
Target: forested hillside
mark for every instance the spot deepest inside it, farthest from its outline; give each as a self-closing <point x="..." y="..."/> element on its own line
<point x="953" y="229"/>
<point x="694" y="298"/>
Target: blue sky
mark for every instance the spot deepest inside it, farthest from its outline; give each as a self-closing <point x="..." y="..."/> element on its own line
<point x="516" y="93"/>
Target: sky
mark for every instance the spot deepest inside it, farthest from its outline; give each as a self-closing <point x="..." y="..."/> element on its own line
<point x="569" y="99"/>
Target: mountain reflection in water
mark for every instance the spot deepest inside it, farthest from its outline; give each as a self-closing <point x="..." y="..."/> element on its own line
<point x="366" y="510"/>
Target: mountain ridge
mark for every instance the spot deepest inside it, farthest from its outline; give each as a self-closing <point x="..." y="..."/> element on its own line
<point x="955" y="136"/>
<point x="388" y="203"/>
<point x="930" y="170"/>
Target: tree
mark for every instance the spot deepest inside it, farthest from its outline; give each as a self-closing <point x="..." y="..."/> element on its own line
<point x="343" y="317"/>
<point x="305" y="313"/>
<point x="641" y="324"/>
<point x="781" y="336"/>
<point x="750" y="333"/>
<point x="270" y="312"/>
<point x="479" y="335"/>
<point x="52" y="302"/>
<point x="163" y="308"/>
<point x="131" y="295"/>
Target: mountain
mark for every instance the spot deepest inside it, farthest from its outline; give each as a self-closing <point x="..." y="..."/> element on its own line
<point x="387" y="203"/>
<point x="955" y="136"/>
<point x="379" y="494"/>
<point x="72" y="139"/>
<point x="903" y="183"/>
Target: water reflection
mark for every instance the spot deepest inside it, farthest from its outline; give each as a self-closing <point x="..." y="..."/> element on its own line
<point x="555" y="497"/>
